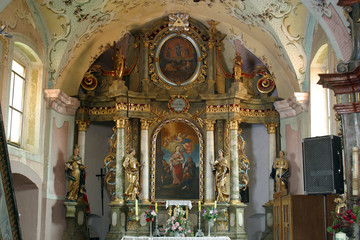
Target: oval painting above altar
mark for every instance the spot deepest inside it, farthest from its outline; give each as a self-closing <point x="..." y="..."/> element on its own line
<point x="177" y="162"/>
<point x="177" y="60"/>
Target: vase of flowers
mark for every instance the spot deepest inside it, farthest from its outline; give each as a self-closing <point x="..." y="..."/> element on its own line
<point x="150" y="216"/>
<point x="347" y="221"/>
<point x="177" y="225"/>
<point x="210" y="215"/>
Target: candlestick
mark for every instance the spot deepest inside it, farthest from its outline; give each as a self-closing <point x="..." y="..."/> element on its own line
<point x="199" y="206"/>
<point x="156" y="207"/>
<point x="355" y="174"/>
<point x="136" y="208"/>
<point x="199" y="232"/>
<point x="215" y="205"/>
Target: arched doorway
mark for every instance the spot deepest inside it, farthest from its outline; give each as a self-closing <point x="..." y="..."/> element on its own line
<point x="27" y="198"/>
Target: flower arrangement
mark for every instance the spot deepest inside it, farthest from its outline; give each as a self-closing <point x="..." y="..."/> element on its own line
<point x="210" y="214"/>
<point x="150" y="215"/>
<point x="178" y="225"/>
<point x="346" y="218"/>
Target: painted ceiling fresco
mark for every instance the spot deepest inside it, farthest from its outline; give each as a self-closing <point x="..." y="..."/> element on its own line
<point x="278" y="32"/>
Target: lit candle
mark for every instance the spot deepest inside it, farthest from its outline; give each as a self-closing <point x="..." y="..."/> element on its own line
<point x="199" y="206"/>
<point x="215" y="205"/>
<point x="136" y="207"/>
<point x="155" y="206"/>
<point x="355" y="174"/>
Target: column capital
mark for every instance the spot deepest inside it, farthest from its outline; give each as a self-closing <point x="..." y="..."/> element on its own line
<point x="120" y="122"/>
<point x="209" y="124"/>
<point x="145" y="123"/>
<point x="146" y="42"/>
<point x="271" y="127"/>
<point x="82" y="124"/>
<point x="234" y="124"/>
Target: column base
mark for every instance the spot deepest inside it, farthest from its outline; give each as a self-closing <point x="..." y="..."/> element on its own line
<point x="237" y="221"/>
<point x="145" y="201"/>
<point x="268" y="234"/>
<point x="236" y="202"/>
<point x="76" y="221"/>
<point x="118" y="220"/>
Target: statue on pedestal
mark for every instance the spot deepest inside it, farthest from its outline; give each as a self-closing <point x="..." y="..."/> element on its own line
<point x="132" y="167"/>
<point x="220" y="166"/>
<point x="238" y="62"/>
<point x="280" y="173"/>
<point x="75" y="172"/>
<point x="119" y="63"/>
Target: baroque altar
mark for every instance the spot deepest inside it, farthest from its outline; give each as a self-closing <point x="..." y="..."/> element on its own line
<point x="177" y="114"/>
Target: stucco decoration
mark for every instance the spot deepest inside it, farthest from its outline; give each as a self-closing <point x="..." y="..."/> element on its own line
<point x="322" y="7"/>
<point x="76" y="22"/>
<point x="82" y="20"/>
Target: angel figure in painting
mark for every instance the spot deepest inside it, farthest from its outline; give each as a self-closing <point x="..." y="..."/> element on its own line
<point x="280" y="172"/>
<point x="220" y="166"/>
<point x="75" y="172"/>
<point x="238" y="62"/>
<point x="132" y="167"/>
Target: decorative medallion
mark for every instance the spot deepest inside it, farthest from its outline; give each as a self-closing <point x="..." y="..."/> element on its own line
<point x="178" y="104"/>
<point x="178" y="59"/>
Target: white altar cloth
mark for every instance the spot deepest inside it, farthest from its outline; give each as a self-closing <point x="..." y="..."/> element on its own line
<point x="178" y="202"/>
<point x="174" y="238"/>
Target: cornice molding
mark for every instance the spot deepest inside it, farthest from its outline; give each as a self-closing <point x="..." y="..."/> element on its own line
<point x="293" y="106"/>
<point x="60" y="101"/>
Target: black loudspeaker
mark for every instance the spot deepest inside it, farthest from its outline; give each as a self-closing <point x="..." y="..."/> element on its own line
<point x="323" y="167"/>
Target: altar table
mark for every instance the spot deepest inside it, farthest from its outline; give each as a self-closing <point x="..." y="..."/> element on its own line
<point x="174" y="238"/>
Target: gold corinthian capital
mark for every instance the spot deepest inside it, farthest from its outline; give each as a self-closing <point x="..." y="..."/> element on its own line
<point x="271" y="127"/>
<point x="82" y="125"/>
<point x="234" y="124"/>
<point x="145" y="123"/>
<point x="209" y="124"/>
<point x="120" y="122"/>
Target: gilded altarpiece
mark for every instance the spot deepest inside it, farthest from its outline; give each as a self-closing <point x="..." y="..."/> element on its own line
<point x="173" y="105"/>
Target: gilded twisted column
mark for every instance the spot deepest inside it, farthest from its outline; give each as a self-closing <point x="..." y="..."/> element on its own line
<point x="144" y="160"/>
<point x="82" y="126"/>
<point x="234" y="162"/>
<point x="120" y="153"/>
<point x="271" y="129"/>
<point x="209" y="176"/>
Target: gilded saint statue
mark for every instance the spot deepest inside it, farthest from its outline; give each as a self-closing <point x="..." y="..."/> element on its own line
<point x="280" y="173"/>
<point x="75" y="173"/>
<point x="119" y="63"/>
<point x="220" y="166"/>
<point x="238" y="62"/>
<point x="132" y="167"/>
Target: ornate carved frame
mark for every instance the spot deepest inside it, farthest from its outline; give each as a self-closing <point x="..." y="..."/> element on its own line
<point x="153" y="155"/>
<point x="164" y="34"/>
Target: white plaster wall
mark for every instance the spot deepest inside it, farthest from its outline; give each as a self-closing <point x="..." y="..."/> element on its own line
<point x="256" y="149"/>
<point x="96" y="149"/>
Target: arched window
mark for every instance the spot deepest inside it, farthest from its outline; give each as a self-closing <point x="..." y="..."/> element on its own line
<point x="24" y="98"/>
<point x="321" y="99"/>
<point x="16" y="102"/>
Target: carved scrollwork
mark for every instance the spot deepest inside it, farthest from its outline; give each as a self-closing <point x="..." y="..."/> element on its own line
<point x="244" y="163"/>
<point x="110" y="166"/>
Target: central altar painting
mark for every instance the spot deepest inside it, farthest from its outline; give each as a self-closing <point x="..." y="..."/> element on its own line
<point x="177" y="162"/>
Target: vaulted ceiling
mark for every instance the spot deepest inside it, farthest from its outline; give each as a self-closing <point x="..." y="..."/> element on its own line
<point x="278" y="32"/>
